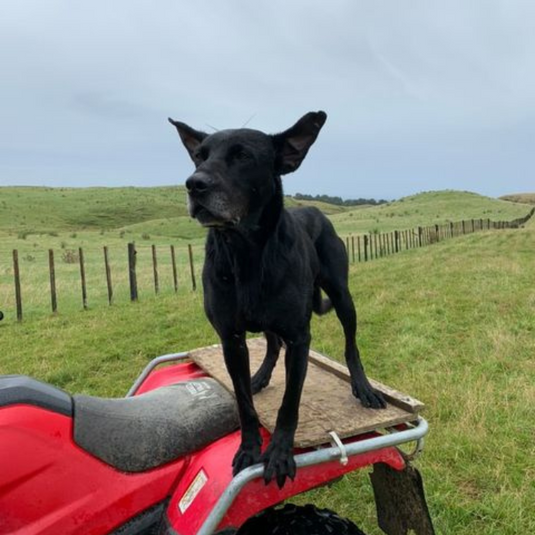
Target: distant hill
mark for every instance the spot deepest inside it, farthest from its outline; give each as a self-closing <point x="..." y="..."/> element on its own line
<point x="30" y="208"/>
<point x="161" y="211"/>
<point x="527" y="198"/>
<point x="426" y="208"/>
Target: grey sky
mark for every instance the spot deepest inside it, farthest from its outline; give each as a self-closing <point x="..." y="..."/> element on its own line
<point x="420" y="95"/>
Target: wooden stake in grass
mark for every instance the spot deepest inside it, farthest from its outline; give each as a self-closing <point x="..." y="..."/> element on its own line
<point x="358" y="248"/>
<point x="365" y="247"/>
<point x="53" y="295"/>
<point x="132" y="271"/>
<point x="155" y="269"/>
<point x="18" y="293"/>
<point x="82" y="277"/>
<point x="108" y="275"/>
<point x="173" y="263"/>
<point x="353" y="248"/>
<point x="192" y="269"/>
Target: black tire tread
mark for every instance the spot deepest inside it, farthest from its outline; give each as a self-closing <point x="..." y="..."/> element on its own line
<point x="298" y="520"/>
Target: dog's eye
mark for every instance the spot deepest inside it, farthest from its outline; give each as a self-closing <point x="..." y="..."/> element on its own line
<point x="241" y="155"/>
<point x="201" y="155"/>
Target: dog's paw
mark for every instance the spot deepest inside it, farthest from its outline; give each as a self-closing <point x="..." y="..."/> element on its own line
<point x="259" y="381"/>
<point x="369" y="397"/>
<point x="279" y="462"/>
<point x="245" y="456"/>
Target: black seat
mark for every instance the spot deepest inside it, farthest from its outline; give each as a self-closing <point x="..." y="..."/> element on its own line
<point x="23" y="390"/>
<point x="142" y="432"/>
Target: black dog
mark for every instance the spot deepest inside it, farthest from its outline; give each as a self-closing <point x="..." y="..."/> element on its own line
<point x="264" y="271"/>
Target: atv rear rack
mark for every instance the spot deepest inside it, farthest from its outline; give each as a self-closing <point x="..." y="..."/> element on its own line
<point x="413" y="430"/>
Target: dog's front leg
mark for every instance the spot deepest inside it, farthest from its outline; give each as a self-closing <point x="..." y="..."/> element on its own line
<point x="278" y="457"/>
<point x="237" y="361"/>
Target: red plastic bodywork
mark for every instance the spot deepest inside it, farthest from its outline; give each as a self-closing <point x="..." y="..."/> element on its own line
<point x="50" y="486"/>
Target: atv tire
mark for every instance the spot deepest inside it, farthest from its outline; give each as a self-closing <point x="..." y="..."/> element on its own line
<point x="297" y="520"/>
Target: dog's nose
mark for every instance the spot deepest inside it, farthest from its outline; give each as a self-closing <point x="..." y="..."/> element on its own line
<point x="198" y="184"/>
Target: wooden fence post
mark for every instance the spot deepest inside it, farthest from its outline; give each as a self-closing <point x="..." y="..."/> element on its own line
<point x="173" y="262"/>
<point x="53" y="295"/>
<point x="18" y="293"/>
<point x="358" y="248"/>
<point x="132" y="271"/>
<point x="365" y="247"/>
<point x="82" y="277"/>
<point x="396" y="240"/>
<point x="353" y="248"/>
<point x="192" y="270"/>
<point x="108" y="275"/>
<point x="155" y="269"/>
<point x="419" y="236"/>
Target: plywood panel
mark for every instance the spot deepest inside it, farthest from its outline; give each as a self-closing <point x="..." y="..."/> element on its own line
<point x="327" y="403"/>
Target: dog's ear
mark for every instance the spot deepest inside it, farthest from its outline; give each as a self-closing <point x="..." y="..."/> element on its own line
<point x="190" y="137"/>
<point x="292" y="145"/>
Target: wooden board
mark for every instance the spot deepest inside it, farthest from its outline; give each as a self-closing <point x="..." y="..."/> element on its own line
<point x="327" y="403"/>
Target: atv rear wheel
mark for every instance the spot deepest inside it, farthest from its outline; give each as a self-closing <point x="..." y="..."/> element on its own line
<point x="298" y="520"/>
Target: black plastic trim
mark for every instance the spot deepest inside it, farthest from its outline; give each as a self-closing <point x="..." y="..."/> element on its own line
<point x="148" y="522"/>
<point x="23" y="390"/>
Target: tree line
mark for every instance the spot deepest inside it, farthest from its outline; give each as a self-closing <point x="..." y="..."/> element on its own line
<point x="338" y="200"/>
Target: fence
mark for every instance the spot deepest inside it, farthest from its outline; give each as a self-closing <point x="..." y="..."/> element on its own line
<point x="363" y="248"/>
<point x="360" y="248"/>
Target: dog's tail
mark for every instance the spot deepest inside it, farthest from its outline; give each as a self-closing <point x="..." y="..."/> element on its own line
<point x="320" y="305"/>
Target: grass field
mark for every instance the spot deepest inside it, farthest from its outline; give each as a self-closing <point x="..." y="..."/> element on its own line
<point x="451" y="324"/>
<point x="33" y="220"/>
<point x="528" y="198"/>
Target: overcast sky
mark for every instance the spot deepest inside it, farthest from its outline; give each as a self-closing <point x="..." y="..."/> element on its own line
<point x="420" y="95"/>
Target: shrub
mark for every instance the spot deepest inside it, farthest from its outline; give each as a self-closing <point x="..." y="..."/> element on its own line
<point x="70" y="256"/>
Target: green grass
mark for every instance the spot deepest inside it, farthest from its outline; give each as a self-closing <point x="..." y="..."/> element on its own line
<point x="435" y="207"/>
<point x="451" y="324"/>
<point x="33" y="220"/>
<point x="528" y="198"/>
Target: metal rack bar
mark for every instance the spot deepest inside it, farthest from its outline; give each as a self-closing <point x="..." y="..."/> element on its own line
<point x="308" y="459"/>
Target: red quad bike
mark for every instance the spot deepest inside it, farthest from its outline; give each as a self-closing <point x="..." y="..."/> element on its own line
<point x="159" y="462"/>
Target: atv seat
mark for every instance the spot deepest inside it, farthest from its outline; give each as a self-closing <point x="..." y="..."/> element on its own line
<point x="139" y="433"/>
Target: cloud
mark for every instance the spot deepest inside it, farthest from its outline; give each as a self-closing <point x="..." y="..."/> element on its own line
<point x="419" y="95"/>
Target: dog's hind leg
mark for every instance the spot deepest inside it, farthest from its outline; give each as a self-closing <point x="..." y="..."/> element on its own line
<point x="334" y="281"/>
<point x="263" y="375"/>
<point x="345" y="310"/>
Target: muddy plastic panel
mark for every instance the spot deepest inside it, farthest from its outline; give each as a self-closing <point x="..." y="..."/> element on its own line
<point x="327" y="403"/>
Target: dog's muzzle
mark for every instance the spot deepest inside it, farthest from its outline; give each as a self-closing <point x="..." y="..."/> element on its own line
<point x="209" y="205"/>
